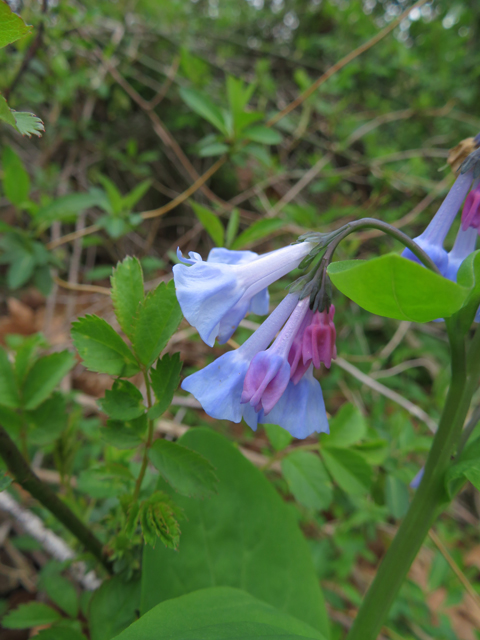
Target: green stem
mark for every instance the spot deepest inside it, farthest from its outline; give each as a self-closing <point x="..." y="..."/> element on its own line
<point x="428" y="498"/>
<point x="148" y="443"/>
<point x="25" y="477"/>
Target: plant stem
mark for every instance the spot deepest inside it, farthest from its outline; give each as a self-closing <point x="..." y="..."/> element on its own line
<point x="428" y="498"/>
<point x="25" y="477"/>
<point x="148" y="443"/>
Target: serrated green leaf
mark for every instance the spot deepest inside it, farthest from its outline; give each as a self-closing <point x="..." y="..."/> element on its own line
<point x="204" y="107"/>
<point x="257" y="231"/>
<point x="44" y="376"/>
<point x="62" y="592"/>
<point x="26" y="353"/>
<point x="9" y="395"/>
<point x="30" y="615"/>
<point x="127" y="293"/>
<point x="125" y="434"/>
<point x="346" y="428"/>
<point x="16" y="181"/>
<point x="307" y="479"/>
<point x="348" y="469"/>
<point x="48" y="420"/>
<point x="28" y="124"/>
<point x="105" y="481"/>
<point x="185" y="470"/>
<point x="394" y="287"/>
<point x="5" y="113"/>
<point x="158" y="318"/>
<point x="12" y="27"/>
<point x="165" y="379"/>
<point x="113" y="607"/>
<point x="218" y="613"/>
<point x="123" y="401"/>
<point x="159" y="520"/>
<point x="101" y="348"/>
<point x="210" y="223"/>
<point x="263" y="135"/>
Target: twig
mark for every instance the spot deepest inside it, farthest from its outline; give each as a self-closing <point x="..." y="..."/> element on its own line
<point x="388" y="393"/>
<point x="53" y="544"/>
<point x="342" y="63"/>
<point x="455" y="568"/>
<point x="85" y="288"/>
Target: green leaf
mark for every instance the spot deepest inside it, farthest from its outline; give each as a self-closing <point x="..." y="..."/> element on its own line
<point x="44" y="376"/>
<point x="5" y="113"/>
<point x="219" y="613"/>
<point x="16" y="181"/>
<point x="101" y="348"/>
<point x="30" y="615"/>
<point x="9" y="396"/>
<point x="113" y="608"/>
<point x="346" y="428"/>
<point x="214" y="149"/>
<point x="127" y="293"/>
<point x="66" y="208"/>
<point x="62" y="592"/>
<point x="250" y="538"/>
<point x="21" y="269"/>
<point x="185" y="470"/>
<point x="125" y="434"/>
<point x="159" y="517"/>
<point x="210" y="223"/>
<point x="105" y="481"/>
<point x="307" y="479"/>
<point x="26" y="354"/>
<point x="165" y="379"/>
<point x="123" y="401"/>
<point x="158" y="319"/>
<point x="232" y="227"/>
<point x="5" y="481"/>
<point x="48" y="420"/>
<point x="131" y="199"/>
<point x="263" y="135"/>
<point x="204" y="107"/>
<point x="60" y="633"/>
<point x="28" y="124"/>
<point x="279" y="438"/>
<point x="394" y="287"/>
<point x="348" y="469"/>
<point x="396" y="496"/>
<point x="12" y="27"/>
<point x="257" y="231"/>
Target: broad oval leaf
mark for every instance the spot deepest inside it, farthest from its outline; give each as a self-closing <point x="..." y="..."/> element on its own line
<point x="348" y="469"/>
<point x="185" y="470"/>
<point x="101" y="348"/>
<point x="394" y="287"/>
<point x="32" y="614"/>
<point x="113" y="608"/>
<point x="219" y="613"/>
<point x="250" y="539"/>
<point x="307" y="479"/>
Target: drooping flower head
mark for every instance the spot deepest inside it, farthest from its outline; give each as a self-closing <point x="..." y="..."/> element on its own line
<point x="215" y="295"/>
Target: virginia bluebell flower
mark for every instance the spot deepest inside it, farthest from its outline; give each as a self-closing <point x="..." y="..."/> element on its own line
<point x="432" y="239"/>
<point x="219" y="387"/>
<point x="269" y="372"/>
<point x="471" y="209"/>
<point x="214" y="296"/>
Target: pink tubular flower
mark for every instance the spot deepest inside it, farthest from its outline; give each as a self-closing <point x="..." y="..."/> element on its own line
<point x="269" y="372"/>
<point x="319" y="339"/>
<point x="471" y="210"/>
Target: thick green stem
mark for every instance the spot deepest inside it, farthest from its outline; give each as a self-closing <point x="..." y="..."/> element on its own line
<point x="148" y="443"/>
<point x="428" y="498"/>
<point x="25" y="477"/>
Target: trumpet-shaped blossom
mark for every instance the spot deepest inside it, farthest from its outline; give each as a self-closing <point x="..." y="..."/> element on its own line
<point x="471" y="209"/>
<point x="432" y="239"/>
<point x="319" y="339"/>
<point x="214" y="296"/>
<point x="269" y="372"/>
<point x="219" y="386"/>
<point x="462" y="248"/>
